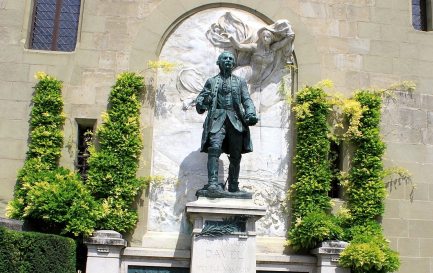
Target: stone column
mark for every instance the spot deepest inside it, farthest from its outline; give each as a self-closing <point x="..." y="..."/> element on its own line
<point x="219" y="251"/>
<point x="103" y="251"/>
<point x="328" y="254"/>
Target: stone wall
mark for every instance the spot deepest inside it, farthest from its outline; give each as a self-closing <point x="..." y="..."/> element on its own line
<point x="357" y="43"/>
<point x="407" y="128"/>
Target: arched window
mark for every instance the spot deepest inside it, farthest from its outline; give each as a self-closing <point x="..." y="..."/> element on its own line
<point x="55" y="25"/>
<point x="419" y="14"/>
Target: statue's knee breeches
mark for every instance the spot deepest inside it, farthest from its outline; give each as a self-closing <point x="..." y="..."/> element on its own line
<point x="216" y="139"/>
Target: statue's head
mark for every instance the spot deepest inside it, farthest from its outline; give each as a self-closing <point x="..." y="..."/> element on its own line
<point x="266" y="36"/>
<point x="226" y="61"/>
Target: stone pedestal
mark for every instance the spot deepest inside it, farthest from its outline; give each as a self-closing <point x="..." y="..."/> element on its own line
<point x="103" y="251"/>
<point x="328" y="254"/>
<point x="224" y="235"/>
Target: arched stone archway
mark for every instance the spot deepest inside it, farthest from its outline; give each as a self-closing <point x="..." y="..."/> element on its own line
<point x="156" y="29"/>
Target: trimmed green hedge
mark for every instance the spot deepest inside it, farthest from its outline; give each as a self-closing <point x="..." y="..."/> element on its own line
<point x="31" y="252"/>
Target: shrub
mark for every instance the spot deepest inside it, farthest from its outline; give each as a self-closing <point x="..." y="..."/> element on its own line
<point x="366" y="190"/>
<point x="312" y="229"/>
<point x="368" y="250"/>
<point x="60" y="198"/>
<point x="45" y="194"/>
<point x="113" y="164"/>
<point x="46" y="138"/>
<point x="369" y="254"/>
<point x="24" y="252"/>
<point x="313" y="172"/>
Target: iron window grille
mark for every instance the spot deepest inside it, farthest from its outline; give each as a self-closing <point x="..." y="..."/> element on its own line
<point x="419" y="14"/>
<point x="55" y="25"/>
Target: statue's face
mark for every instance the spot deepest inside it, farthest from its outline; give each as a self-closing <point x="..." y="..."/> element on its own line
<point x="226" y="61"/>
<point x="266" y="37"/>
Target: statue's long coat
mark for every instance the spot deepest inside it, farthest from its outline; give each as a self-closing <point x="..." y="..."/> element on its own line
<point x="242" y="104"/>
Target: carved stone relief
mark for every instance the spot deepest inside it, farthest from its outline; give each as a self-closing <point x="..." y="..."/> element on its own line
<point x="194" y="47"/>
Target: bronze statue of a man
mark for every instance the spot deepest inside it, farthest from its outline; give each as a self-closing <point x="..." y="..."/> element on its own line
<point x="230" y="112"/>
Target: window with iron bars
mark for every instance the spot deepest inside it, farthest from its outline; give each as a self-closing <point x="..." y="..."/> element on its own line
<point x="55" y="25"/>
<point x="86" y="128"/>
<point x="419" y="14"/>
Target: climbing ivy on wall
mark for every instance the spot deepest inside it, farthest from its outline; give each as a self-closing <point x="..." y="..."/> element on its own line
<point x="320" y="119"/>
<point x="45" y="193"/>
<point x="369" y="250"/>
<point x="113" y="162"/>
<point x="309" y="193"/>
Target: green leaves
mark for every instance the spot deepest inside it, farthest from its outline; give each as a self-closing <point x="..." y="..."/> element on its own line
<point x="370" y="254"/>
<point x="60" y="197"/>
<point x="113" y="166"/>
<point x="23" y="252"/>
<point x="365" y="190"/>
<point x="46" y="140"/>
<point x="51" y="196"/>
<point x="313" y="173"/>
<point x="315" y="227"/>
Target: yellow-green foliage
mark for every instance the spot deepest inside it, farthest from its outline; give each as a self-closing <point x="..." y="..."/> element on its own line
<point x="309" y="192"/>
<point x="114" y="162"/>
<point x="366" y="189"/>
<point x="313" y="174"/>
<point x="312" y="229"/>
<point x="356" y="120"/>
<point x="53" y="197"/>
<point x="370" y="254"/>
<point x="46" y="121"/>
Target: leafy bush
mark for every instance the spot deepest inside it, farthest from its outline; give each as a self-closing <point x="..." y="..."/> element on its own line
<point x="46" y="138"/>
<point x="368" y="251"/>
<point x="114" y="162"/>
<point x="312" y="229"/>
<point x="366" y="190"/>
<point x="60" y="198"/>
<point x="45" y="194"/>
<point x="369" y="228"/>
<point x="369" y="254"/>
<point x="24" y="252"/>
<point x="313" y="173"/>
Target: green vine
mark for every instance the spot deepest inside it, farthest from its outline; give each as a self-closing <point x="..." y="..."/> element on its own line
<point x="365" y="190"/>
<point x="313" y="172"/>
<point x="45" y="193"/>
<point x="320" y="119"/>
<point x="114" y="162"/>
<point x="369" y="250"/>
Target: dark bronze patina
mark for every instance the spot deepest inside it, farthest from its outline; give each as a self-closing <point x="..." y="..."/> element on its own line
<point x="230" y="111"/>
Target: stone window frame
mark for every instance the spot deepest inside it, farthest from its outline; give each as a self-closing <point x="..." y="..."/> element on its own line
<point x="53" y="47"/>
<point x="83" y="125"/>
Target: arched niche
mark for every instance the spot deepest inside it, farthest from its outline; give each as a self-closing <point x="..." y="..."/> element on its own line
<point x="193" y="46"/>
<point x="168" y="14"/>
<point x="156" y="28"/>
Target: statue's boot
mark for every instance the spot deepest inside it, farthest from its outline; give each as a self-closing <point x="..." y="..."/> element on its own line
<point x="234" y="169"/>
<point x="212" y="169"/>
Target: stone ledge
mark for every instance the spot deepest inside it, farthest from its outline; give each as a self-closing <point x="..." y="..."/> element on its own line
<point x="159" y="253"/>
<point x="225" y="206"/>
<point x="330" y="248"/>
<point x="11" y="224"/>
<point x="279" y="258"/>
<point x="106" y="237"/>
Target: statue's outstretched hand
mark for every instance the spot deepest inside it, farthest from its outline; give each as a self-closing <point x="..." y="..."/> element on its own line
<point x="251" y="120"/>
<point x="200" y="106"/>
